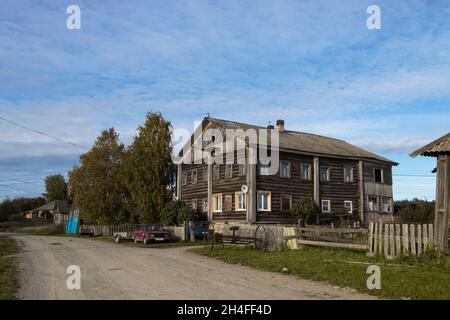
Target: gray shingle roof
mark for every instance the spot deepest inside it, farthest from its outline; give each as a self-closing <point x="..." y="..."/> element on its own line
<point x="55" y="205"/>
<point x="309" y="143"/>
<point x="438" y="146"/>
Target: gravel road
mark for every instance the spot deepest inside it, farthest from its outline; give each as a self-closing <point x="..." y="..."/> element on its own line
<point x="114" y="271"/>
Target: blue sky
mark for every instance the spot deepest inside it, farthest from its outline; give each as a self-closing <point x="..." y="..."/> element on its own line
<point x="313" y="63"/>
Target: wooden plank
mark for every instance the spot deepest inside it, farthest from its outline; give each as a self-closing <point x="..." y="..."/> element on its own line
<point x="405" y="239"/>
<point x="375" y="239"/>
<point x="419" y="239"/>
<point x="391" y="241"/>
<point x="412" y="237"/>
<point x="333" y="244"/>
<point x="398" y="240"/>
<point x="386" y="241"/>
<point x="380" y="239"/>
<point x="431" y="236"/>
<point x="425" y="237"/>
<point x="371" y="227"/>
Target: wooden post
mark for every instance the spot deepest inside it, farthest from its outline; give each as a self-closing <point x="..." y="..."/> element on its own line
<point x="425" y="237"/>
<point x="361" y="191"/>
<point x="398" y="243"/>
<point x="210" y="191"/>
<point x="191" y="231"/>
<point x="380" y="239"/>
<point x="375" y="238"/>
<point x="419" y="239"/>
<point x="371" y="227"/>
<point x="251" y="184"/>
<point x="431" y="236"/>
<point x="317" y="183"/>
<point x="412" y="236"/>
<point x="391" y="240"/>
<point x="386" y="241"/>
<point x="442" y="202"/>
<point x="405" y="240"/>
<point x="179" y="180"/>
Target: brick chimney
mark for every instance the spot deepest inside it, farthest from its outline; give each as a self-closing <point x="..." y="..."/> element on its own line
<point x="280" y="125"/>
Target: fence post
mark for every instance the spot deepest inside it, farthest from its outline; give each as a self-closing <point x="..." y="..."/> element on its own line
<point x="386" y="241"/>
<point x="412" y="230"/>
<point x="425" y="237"/>
<point x="398" y="243"/>
<point x="375" y="239"/>
<point x="405" y="240"/>
<point x="380" y="239"/>
<point x="371" y="226"/>
<point x="392" y="240"/>
<point x="419" y="239"/>
<point x="431" y="236"/>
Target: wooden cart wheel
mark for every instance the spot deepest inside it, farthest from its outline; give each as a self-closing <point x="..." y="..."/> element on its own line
<point x="261" y="240"/>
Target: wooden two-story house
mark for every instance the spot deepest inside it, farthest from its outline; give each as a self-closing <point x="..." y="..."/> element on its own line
<point x="333" y="172"/>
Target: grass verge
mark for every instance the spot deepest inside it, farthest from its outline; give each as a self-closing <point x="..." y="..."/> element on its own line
<point x="427" y="277"/>
<point x="8" y="269"/>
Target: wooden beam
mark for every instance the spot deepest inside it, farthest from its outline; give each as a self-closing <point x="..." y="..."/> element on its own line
<point x="251" y="184"/>
<point x="361" y="191"/>
<point x="333" y="244"/>
<point x="317" y="181"/>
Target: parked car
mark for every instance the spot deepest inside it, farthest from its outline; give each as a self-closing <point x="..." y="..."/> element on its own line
<point x="151" y="232"/>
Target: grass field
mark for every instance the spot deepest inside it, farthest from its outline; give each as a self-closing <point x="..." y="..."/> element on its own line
<point x="8" y="268"/>
<point x="410" y="278"/>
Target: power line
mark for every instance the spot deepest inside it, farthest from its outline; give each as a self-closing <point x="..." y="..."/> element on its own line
<point x="20" y="181"/>
<point x="6" y="186"/>
<point x="42" y="133"/>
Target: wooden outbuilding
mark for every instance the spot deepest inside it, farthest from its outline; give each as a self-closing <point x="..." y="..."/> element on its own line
<point x="440" y="149"/>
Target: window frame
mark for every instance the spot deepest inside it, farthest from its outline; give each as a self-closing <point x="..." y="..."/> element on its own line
<point x="216" y="168"/>
<point x="329" y="205"/>
<point x="302" y="177"/>
<point x="215" y="202"/>
<point x="224" y="201"/>
<point x="194" y="181"/>
<point x="194" y="204"/>
<point x="244" y="171"/>
<point x="281" y="202"/>
<point x="269" y="201"/>
<point x="284" y="162"/>
<point x="348" y="167"/>
<point x="263" y="166"/>
<point x="328" y="175"/>
<point x="227" y="166"/>
<point x="351" y="206"/>
<point x="184" y="178"/>
<point x="205" y="205"/>
<point x="381" y="175"/>
<point x="237" y="195"/>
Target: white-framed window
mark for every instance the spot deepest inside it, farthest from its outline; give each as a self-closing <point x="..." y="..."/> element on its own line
<point x="229" y="171"/>
<point x="349" y="206"/>
<point x="216" y="171"/>
<point x="326" y="206"/>
<point x="205" y="205"/>
<point x="386" y="204"/>
<point x="263" y="169"/>
<point x="264" y="201"/>
<point x="285" y="169"/>
<point x="348" y="174"/>
<point x="378" y="175"/>
<point x="194" y="176"/>
<point x="305" y="171"/>
<point x="184" y="178"/>
<point x="240" y="199"/>
<point x="217" y="202"/>
<point x="242" y="169"/>
<point x="372" y="203"/>
<point x="205" y="174"/>
<point x="324" y="174"/>
<point x="286" y="202"/>
<point x="194" y="204"/>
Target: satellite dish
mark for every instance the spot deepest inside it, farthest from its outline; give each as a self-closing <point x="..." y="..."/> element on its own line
<point x="244" y="188"/>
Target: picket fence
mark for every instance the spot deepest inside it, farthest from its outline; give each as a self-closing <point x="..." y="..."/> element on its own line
<point x="394" y="240"/>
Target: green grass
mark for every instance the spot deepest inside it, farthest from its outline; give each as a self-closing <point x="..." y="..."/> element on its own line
<point x="49" y="230"/>
<point x="8" y="269"/>
<point x="427" y="277"/>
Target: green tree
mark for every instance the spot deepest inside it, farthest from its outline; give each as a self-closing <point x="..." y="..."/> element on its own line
<point x="177" y="212"/>
<point x="304" y="208"/>
<point x="13" y="207"/>
<point x="55" y="188"/>
<point x="96" y="184"/>
<point x="148" y="169"/>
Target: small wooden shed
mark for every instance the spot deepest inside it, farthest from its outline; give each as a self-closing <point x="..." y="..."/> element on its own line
<point x="440" y="149"/>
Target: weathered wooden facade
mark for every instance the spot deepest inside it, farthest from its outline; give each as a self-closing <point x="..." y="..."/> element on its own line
<point x="333" y="172"/>
<point x="440" y="149"/>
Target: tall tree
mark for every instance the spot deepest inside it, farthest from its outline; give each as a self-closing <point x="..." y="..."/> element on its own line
<point x="148" y="168"/>
<point x="55" y="188"/>
<point x="96" y="184"/>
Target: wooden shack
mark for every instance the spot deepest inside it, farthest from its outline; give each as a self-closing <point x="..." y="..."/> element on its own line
<point x="440" y="149"/>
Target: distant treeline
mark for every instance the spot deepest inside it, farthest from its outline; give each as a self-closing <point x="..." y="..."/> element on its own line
<point x="11" y="209"/>
<point x="415" y="211"/>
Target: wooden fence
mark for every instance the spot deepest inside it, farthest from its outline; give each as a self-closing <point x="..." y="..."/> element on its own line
<point x="108" y="230"/>
<point x="393" y="240"/>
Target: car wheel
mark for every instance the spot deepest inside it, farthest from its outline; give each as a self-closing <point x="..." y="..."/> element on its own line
<point x="145" y="240"/>
<point x="118" y="238"/>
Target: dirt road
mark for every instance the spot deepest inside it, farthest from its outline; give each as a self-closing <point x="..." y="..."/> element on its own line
<point x="113" y="271"/>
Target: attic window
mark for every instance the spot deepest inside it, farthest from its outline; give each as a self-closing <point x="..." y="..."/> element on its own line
<point x="378" y="175"/>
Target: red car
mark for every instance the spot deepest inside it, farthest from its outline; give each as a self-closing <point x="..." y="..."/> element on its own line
<point x="151" y="232"/>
